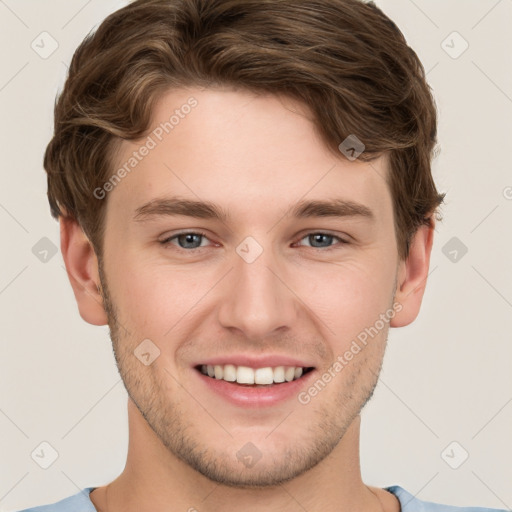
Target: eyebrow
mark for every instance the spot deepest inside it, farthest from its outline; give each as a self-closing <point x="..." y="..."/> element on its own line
<point x="175" y="206"/>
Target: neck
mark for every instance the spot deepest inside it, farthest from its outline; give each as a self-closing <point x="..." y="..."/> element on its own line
<point x="154" y="479"/>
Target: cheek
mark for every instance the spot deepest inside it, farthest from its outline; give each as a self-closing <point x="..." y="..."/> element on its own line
<point x="350" y="298"/>
<point x="152" y="298"/>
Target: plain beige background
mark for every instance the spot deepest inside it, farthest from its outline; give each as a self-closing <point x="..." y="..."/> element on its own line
<point x="446" y="387"/>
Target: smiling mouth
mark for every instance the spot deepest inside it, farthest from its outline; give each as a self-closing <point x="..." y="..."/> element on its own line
<point x="254" y="377"/>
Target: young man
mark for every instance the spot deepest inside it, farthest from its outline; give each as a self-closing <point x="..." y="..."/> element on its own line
<point x="245" y="197"/>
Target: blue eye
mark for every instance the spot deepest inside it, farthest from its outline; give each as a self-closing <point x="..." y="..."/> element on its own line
<point x="323" y="239"/>
<point x="192" y="240"/>
<point x="186" y="241"/>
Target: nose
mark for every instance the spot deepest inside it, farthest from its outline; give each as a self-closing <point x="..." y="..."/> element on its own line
<point x="257" y="300"/>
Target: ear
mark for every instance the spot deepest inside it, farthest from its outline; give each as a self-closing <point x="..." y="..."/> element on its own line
<point x="412" y="276"/>
<point x="82" y="268"/>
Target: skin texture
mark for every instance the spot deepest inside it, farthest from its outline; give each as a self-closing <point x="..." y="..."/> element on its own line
<point x="255" y="156"/>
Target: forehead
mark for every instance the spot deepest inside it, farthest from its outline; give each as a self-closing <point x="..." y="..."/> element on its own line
<point x="243" y="151"/>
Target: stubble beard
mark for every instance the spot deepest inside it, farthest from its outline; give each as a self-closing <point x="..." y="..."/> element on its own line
<point x="184" y="440"/>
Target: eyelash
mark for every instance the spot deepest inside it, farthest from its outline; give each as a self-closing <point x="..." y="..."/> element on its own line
<point x="168" y="241"/>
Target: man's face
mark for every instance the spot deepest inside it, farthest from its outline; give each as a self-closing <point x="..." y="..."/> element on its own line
<point x="261" y="283"/>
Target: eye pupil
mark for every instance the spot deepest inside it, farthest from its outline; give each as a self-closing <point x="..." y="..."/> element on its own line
<point x="188" y="238"/>
<point x="318" y="238"/>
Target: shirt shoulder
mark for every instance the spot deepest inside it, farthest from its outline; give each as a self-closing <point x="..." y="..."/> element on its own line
<point x="79" y="502"/>
<point x="409" y="503"/>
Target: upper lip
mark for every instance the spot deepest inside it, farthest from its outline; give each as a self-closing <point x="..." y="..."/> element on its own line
<point x="255" y="361"/>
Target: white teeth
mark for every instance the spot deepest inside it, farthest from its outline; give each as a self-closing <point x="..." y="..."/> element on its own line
<point x="247" y="375"/>
<point x="219" y="371"/>
<point x="264" y="376"/>
<point x="244" y="375"/>
<point x="289" y="373"/>
<point x="279" y="374"/>
<point x="230" y="372"/>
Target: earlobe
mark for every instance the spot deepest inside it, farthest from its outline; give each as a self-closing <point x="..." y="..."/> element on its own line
<point x="412" y="276"/>
<point x="82" y="268"/>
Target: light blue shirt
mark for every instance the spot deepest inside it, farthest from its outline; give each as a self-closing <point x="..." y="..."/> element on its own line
<point x="81" y="502"/>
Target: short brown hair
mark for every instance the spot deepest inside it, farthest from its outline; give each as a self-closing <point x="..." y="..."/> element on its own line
<point x="344" y="59"/>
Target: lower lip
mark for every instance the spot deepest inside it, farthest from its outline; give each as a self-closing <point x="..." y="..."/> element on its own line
<point x="252" y="396"/>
